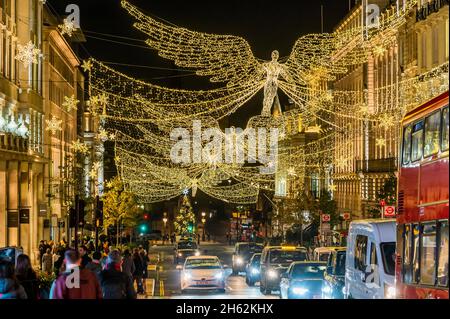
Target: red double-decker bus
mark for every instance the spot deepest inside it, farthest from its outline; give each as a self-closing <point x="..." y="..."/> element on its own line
<point x="423" y="189"/>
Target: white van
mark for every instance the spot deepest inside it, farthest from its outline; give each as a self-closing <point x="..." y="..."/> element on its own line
<point x="370" y="261"/>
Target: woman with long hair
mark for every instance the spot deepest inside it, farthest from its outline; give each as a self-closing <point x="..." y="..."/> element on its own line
<point x="10" y="288"/>
<point x="27" y="277"/>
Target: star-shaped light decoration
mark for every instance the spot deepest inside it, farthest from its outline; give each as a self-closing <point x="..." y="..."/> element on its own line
<point x="70" y="103"/>
<point x="103" y="99"/>
<point x="110" y="184"/>
<point x="96" y="166"/>
<point x="379" y="50"/>
<point x="93" y="174"/>
<point x="332" y="188"/>
<point x="87" y="65"/>
<point x="381" y="142"/>
<point x="186" y="191"/>
<point x="386" y="121"/>
<point x="103" y="135"/>
<point x="117" y="159"/>
<point x="112" y="136"/>
<point x="68" y="27"/>
<point x="328" y="97"/>
<point x="28" y="54"/>
<point x="291" y="171"/>
<point x="54" y="125"/>
<point x="80" y="147"/>
<point x="364" y="109"/>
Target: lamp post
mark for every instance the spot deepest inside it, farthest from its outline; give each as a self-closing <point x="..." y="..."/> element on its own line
<point x="204" y="224"/>
<point x="165" y="220"/>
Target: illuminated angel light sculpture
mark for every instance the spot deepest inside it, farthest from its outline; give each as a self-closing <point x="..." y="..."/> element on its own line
<point x="229" y="59"/>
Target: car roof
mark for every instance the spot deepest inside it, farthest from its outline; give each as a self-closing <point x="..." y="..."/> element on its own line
<point x="383" y="229"/>
<point x="309" y="263"/>
<point x="325" y="249"/>
<point x="286" y="248"/>
<point x="202" y="257"/>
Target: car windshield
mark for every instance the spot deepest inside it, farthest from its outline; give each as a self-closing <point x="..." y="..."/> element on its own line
<point x="388" y="253"/>
<point x="256" y="259"/>
<point x="340" y="264"/>
<point x="187" y="245"/>
<point x="249" y="249"/>
<point x="203" y="264"/>
<point x="324" y="256"/>
<point x="287" y="256"/>
<point x="308" y="271"/>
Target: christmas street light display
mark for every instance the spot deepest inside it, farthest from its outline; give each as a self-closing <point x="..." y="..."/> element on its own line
<point x="139" y="116"/>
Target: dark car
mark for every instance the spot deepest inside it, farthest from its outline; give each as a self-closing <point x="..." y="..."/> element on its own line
<point x="274" y="262"/>
<point x="334" y="277"/>
<point x="252" y="270"/>
<point x="303" y="280"/>
<point x="242" y="254"/>
<point x="185" y="249"/>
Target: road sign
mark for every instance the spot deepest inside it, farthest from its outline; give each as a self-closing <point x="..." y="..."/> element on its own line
<point x="382" y="203"/>
<point x="326" y="218"/>
<point x="389" y="211"/>
<point x="347" y="216"/>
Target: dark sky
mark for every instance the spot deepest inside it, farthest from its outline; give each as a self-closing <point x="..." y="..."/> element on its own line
<point x="266" y="25"/>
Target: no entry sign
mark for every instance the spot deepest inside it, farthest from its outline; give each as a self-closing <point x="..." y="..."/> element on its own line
<point x="326" y="218"/>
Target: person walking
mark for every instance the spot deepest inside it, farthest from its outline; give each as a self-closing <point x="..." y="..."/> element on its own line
<point x="95" y="265"/>
<point x="145" y="262"/>
<point x="85" y="259"/>
<point x="128" y="263"/>
<point x="138" y="271"/>
<point x="42" y="250"/>
<point x="47" y="262"/>
<point x="10" y="288"/>
<point x="87" y="286"/>
<point x="27" y="277"/>
<point x="114" y="282"/>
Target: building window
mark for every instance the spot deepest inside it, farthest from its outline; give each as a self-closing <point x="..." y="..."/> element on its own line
<point x="435" y="45"/>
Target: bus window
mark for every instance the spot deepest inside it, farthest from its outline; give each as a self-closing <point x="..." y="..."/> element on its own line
<point x="417" y="142"/>
<point x="442" y="276"/>
<point x="444" y="130"/>
<point x="407" y="145"/>
<point x="428" y="255"/>
<point x="432" y="128"/>
<point x="415" y="253"/>
<point x="407" y="257"/>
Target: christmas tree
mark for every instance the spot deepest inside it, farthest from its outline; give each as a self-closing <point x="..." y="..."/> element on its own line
<point x="185" y="220"/>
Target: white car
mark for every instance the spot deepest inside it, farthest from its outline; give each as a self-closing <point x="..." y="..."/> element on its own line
<point x="203" y="273"/>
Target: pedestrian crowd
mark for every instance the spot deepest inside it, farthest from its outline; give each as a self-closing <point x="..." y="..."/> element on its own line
<point x="78" y="274"/>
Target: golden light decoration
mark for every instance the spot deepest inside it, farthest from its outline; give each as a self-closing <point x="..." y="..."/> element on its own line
<point x="68" y="27"/>
<point x="70" y="103"/>
<point x="380" y="142"/>
<point x="332" y="187"/>
<point x="54" y="125"/>
<point x="28" y="54"/>
<point x="80" y="147"/>
<point x="87" y="65"/>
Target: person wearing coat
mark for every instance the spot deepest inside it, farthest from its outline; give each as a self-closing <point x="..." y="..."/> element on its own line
<point x="114" y="282"/>
<point x="47" y="262"/>
<point x="128" y="263"/>
<point x="10" y="288"/>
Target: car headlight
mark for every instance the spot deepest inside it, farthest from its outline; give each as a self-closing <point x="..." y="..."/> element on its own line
<point x="343" y="290"/>
<point x="299" y="291"/>
<point x="197" y="253"/>
<point x="187" y="276"/>
<point x="389" y="292"/>
<point x="255" y="271"/>
<point x="180" y="255"/>
<point x="218" y="276"/>
<point x="239" y="260"/>
<point x="272" y="274"/>
<point x="326" y="289"/>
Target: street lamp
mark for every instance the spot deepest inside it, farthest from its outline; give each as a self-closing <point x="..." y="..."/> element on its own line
<point x="165" y="220"/>
<point x="204" y="223"/>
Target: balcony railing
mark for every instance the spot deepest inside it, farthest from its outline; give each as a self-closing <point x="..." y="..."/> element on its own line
<point x="386" y="165"/>
<point x="13" y="143"/>
<point x="429" y="8"/>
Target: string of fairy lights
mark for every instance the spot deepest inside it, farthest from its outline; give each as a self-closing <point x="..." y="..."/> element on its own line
<point x="139" y="117"/>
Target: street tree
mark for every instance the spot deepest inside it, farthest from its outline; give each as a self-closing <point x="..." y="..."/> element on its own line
<point x="185" y="220"/>
<point x="119" y="206"/>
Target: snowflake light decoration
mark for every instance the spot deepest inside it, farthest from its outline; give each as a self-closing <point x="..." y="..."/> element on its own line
<point x="70" y="103"/>
<point x="54" y="125"/>
<point x="386" y="121"/>
<point x="332" y="188"/>
<point x="291" y="171"/>
<point x="28" y="54"/>
<point x="103" y="135"/>
<point x="68" y="27"/>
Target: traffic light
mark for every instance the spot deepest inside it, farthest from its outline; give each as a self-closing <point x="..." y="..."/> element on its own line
<point x="143" y="228"/>
<point x="146" y="216"/>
